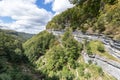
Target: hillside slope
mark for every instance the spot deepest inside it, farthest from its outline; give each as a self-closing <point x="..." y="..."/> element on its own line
<point x="91" y="16"/>
<point x="38" y="45"/>
<point x="14" y="65"/>
<point x="20" y="35"/>
<point x="60" y="58"/>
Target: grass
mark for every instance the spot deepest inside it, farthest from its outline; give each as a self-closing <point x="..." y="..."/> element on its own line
<point x="94" y="45"/>
<point x="96" y="72"/>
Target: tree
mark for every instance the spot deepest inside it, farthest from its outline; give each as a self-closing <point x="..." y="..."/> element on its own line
<point x="38" y="45"/>
<point x="77" y="1"/>
<point x="5" y="76"/>
<point x="66" y="74"/>
<point x="110" y="1"/>
<point x="11" y="47"/>
<point x="101" y="48"/>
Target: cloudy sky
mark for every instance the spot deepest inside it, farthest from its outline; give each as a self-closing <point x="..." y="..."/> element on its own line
<point x="30" y="16"/>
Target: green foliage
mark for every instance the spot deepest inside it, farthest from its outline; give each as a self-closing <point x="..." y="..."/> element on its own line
<point x="88" y="48"/>
<point x="73" y="48"/>
<point x="81" y="70"/>
<point x="110" y="1"/>
<point x="89" y="52"/>
<point x="12" y="58"/>
<point x="67" y="35"/>
<point x="66" y="74"/>
<point x="57" y="57"/>
<point x="19" y="35"/>
<point x="11" y="48"/>
<point x="100" y="71"/>
<point x="14" y="74"/>
<point x="5" y="76"/>
<point x="61" y="59"/>
<point x="100" y="48"/>
<point x="77" y="16"/>
<point x="21" y="76"/>
<point x="87" y="76"/>
<point x="99" y="16"/>
<point x="77" y="1"/>
<point x="38" y="45"/>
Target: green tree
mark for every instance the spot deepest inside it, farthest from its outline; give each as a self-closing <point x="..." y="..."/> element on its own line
<point x="5" y="76"/>
<point x="38" y="45"/>
<point x="101" y="48"/>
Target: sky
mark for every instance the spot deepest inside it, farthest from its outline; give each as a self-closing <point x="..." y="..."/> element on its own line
<point x="30" y="16"/>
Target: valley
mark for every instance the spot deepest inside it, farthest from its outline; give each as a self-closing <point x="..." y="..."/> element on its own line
<point x="113" y="48"/>
<point x="80" y="43"/>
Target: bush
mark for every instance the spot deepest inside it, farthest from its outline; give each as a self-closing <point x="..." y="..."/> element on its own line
<point x="90" y="61"/>
<point x="87" y="76"/>
<point x="21" y="76"/>
<point x="100" y="71"/>
<point x="100" y="48"/>
<point x="5" y="76"/>
<point x="110" y="1"/>
<point x="66" y="74"/>
<point x="37" y="45"/>
<point x="81" y="70"/>
<point x="89" y="52"/>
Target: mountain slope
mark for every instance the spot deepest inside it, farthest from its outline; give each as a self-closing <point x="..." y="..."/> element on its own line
<point x="92" y="16"/>
<point x="49" y="57"/>
<point x="62" y="58"/>
<point x="38" y="45"/>
<point x="14" y="65"/>
<point x="20" y="35"/>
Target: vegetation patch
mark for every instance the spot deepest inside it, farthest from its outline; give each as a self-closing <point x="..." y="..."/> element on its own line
<point x="97" y="47"/>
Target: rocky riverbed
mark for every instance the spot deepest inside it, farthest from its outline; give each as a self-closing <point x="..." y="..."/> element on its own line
<point x="113" y="47"/>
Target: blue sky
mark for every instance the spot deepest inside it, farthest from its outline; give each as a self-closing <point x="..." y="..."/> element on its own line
<point x="6" y="19"/>
<point x="30" y="16"/>
<point x="39" y="3"/>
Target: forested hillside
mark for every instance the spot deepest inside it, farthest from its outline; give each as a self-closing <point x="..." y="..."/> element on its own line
<point x="38" y="45"/>
<point x="60" y="58"/>
<point x="20" y="35"/>
<point x="69" y="55"/>
<point x="14" y="65"/>
<point x="91" y="16"/>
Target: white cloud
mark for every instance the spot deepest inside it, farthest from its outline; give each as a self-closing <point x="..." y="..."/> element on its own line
<point x="48" y="1"/>
<point x="61" y="5"/>
<point x="29" y="18"/>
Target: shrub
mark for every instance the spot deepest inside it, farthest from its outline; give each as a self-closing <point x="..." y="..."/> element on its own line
<point x="87" y="76"/>
<point x="100" y="48"/>
<point x="5" y="76"/>
<point x="100" y="71"/>
<point x="89" y="52"/>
